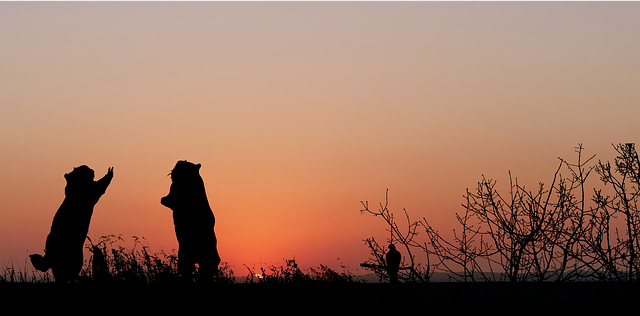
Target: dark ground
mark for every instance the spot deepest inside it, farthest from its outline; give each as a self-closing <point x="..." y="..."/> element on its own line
<point x="94" y="298"/>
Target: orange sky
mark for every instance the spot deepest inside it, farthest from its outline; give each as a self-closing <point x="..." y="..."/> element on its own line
<point x="298" y="111"/>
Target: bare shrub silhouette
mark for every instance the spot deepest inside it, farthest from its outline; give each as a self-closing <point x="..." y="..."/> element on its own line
<point x="529" y="235"/>
<point x="546" y="234"/>
<point x="406" y="238"/>
<point x="613" y="254"/>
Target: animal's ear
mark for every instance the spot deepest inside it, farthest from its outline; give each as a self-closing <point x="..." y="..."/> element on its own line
<point x="199" y="165"/>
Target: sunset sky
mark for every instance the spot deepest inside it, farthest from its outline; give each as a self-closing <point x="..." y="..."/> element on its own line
<point x="299" y="111"/>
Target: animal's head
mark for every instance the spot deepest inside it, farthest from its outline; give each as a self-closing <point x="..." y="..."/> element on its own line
<point x="80" y="174"/>
<point x="185" y="170"/>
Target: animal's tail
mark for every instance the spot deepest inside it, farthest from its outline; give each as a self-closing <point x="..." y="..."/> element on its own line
<point x="39" y="262"/>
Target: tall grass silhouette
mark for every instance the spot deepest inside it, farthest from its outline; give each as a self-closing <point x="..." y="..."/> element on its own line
<point x="290" y="272"/>
<point x="111" y="261"/>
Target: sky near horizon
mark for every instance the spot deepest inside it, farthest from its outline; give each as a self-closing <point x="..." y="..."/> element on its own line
<point x="299" y="111"/>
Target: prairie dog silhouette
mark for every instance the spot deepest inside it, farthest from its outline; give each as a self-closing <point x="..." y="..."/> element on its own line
<point x="393" y="259"/>
<point x="193" y="220"/>
<point x="63" y="248"/>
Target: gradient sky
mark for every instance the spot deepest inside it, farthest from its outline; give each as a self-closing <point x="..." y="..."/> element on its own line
<point x="299" y="111"/>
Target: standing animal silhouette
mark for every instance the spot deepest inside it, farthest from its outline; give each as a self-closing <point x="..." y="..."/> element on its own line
<point x="63" y="248"/>
<point x="193" y="220"/>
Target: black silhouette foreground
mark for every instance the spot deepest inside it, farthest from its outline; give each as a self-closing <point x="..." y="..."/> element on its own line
<point x="63" y="248"/>
<point x="194" y="222"/>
